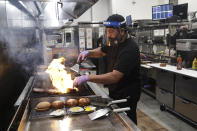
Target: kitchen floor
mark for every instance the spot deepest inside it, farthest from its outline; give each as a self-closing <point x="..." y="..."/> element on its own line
<point x="151" y="108"/>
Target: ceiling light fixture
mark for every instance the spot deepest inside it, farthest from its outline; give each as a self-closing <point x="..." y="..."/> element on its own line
<point x="133" y="2"/>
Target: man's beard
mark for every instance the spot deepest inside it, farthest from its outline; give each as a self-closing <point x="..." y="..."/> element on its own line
<point x="114" y="42"/>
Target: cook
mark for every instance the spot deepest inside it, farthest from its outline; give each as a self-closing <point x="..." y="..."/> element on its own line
<point x="123" y="61"/>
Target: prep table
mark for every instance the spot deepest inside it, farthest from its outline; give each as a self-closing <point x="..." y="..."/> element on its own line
<point x="176" y="91"/>
<point x="170" y="68"/>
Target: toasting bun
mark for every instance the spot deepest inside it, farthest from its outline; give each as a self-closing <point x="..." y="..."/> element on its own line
<point x="71" y="102"/>
<point x="52" y="91"/>
<point x="38" y="90"/>
<point x="84" y="101"/>
<point x="58" y="104"/>
<point x="43" y="106"/>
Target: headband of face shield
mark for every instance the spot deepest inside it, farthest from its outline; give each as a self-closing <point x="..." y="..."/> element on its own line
<point x="110" y="24"/>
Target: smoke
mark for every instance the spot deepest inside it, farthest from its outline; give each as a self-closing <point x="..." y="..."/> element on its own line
<point x="22" y="47"/>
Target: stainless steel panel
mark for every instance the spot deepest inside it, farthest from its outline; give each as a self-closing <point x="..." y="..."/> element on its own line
<point x="51" y="23"/>
<point x="186" y="87"/>
<point x="165" y="80"/>
<point x="186" y="44"/>
<point x="20" y="6"/>
<point x="16" y="18"/>
<point x="15" y="23"/>
<point x="69" y="40"/>
<point x="51" y="13"/>
<point x="13" y="13"/>
<point x="81" y="122"/>
<point x="186" y="108"/>
<point x="28" y="23"/>
<point x="71" y="122"/>
<point x="31" y="7"/>
<point x="164" y="97"/>
<point x="3" y="17"/>
<point x="64" y="10"/>
<point x="68" y="10"/>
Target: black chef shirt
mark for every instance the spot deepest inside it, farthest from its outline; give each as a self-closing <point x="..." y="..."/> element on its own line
<point x="125" y="58"/>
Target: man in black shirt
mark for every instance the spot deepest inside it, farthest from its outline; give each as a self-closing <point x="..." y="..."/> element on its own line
<point x="123" y="61"/>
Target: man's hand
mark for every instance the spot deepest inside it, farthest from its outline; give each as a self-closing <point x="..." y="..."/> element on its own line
<point x="80" y="80"/>
<point x="83" y="56"/>
<point x="143" y="56"/>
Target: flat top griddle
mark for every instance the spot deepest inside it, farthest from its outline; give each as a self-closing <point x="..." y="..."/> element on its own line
<point x="69" y="122"/>
<point x="84" y="90"/>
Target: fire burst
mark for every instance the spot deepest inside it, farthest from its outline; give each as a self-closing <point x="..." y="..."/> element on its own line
<point x="59" y="76"/>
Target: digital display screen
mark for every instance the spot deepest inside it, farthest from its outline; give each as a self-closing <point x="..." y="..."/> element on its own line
<point x="128" y="20"/>
<point x="162" y="11"/>
<point x="181" y="11"/>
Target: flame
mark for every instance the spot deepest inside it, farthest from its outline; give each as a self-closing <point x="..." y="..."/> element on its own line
<point x="59" y="76"/>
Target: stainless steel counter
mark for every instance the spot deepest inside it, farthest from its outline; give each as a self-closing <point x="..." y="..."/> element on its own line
<point x="77" y="122"/>
<point x="170" y="68"/>
<point x="74" y="123"/>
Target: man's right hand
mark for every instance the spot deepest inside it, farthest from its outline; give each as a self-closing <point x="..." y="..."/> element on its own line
<point x="80" y="80"/>
<point x="83" y="56"/>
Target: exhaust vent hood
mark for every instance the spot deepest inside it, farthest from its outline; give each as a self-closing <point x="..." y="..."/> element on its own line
<point x="53" y="13"/>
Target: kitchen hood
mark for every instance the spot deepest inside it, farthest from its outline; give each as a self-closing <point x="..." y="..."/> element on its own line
<point x="53" y="13"/>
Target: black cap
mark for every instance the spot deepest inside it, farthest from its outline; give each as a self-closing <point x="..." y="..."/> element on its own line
<point x="117" y="18"/>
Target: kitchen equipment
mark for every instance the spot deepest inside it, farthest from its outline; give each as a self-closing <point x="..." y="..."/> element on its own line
<point x="186" y="44"/>
<point x="104" y="112"/>
<point x="76" y="68"/>
<point x="101" y="104"/>
<point x="84" y="90"/>
<point x="24" y="120"/>
<point x="187" y="48"/>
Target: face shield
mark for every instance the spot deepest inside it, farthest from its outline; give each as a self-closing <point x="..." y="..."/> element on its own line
<point x="112" y="32"/>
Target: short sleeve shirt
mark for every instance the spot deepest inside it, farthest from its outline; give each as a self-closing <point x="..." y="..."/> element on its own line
<point x="124" y="58"/>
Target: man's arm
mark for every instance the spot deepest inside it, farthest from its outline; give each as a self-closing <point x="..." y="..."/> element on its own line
<point x="96" y="53"/>
<point x="108" y="78"/>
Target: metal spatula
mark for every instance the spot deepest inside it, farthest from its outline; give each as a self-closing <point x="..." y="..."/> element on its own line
<point x="103" y="112"/>
<point x="97" y="103"/>
<point x="76" y="68"/>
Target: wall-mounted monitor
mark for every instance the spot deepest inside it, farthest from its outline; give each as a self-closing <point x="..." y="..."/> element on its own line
<point x="181" y="11"/>
<point x="128" y="20"/>
<point x="161" y="12"/>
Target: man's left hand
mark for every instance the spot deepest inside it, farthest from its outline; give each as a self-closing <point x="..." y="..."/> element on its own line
<point x="80" y="80"/>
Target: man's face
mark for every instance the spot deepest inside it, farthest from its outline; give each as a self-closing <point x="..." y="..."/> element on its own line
<point x="113" y="36"/>
<point x="112" y="33"/>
